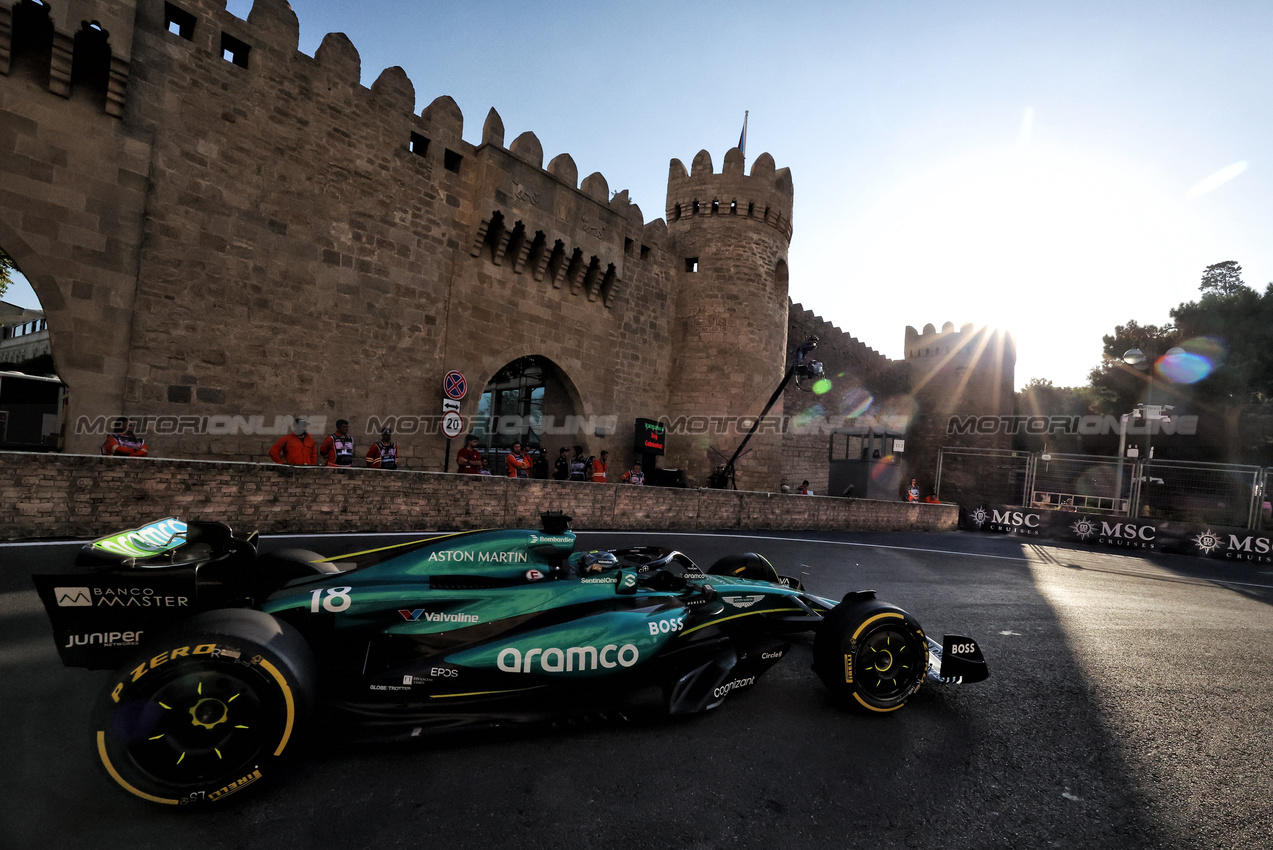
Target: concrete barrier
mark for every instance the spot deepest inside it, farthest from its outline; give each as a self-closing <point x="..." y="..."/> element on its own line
<point x="78" y="496"/>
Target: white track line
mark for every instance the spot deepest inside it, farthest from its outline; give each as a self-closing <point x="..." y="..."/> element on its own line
<point x="805" y="540"/>
<point x="814" y="540"/>
<point x="1039" y="561"/>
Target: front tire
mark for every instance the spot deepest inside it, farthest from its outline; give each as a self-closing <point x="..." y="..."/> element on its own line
<point x="872" y="656"/>
<point x="207" y="710"/>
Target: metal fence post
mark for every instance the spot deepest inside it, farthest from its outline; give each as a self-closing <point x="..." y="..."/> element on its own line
<point x="1031" y="471"/>
<point x="937" y="477"/>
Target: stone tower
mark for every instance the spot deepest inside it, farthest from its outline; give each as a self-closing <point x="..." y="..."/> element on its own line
<point x="728" y="235"/>
<point x="956" y="373"/>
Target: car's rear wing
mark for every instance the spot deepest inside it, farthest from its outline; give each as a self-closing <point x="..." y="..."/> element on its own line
<point x="134" y="583"/>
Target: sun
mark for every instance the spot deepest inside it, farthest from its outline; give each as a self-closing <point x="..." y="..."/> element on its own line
<point x="1055" y="244"/>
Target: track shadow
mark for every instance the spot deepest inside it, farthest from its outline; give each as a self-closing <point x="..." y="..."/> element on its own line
<point x="1051" y="751"/>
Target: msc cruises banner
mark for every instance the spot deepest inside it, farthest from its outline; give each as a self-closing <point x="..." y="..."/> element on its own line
<point x="1120" y="532"/>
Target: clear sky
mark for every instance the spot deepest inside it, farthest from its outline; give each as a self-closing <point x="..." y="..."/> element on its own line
<point x="1039" y="166"/>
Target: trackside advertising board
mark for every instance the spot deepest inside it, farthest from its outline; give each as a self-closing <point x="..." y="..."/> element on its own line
<point x="1121" y="532"/>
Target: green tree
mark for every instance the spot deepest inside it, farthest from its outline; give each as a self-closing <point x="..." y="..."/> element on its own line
<point x="1230" y="328"/>
<point x="1041" y="398"/>
<point x="1236" y="322"/>
<point x="1117" y="386"/>
<point x="1225" y="376"/>
<point x="6" y="271"/>
<point x="1222" y="278"/>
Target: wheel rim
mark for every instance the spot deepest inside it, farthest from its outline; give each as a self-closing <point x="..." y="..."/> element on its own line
<point x="888" y="663"/>
<point x="191" y="727"/>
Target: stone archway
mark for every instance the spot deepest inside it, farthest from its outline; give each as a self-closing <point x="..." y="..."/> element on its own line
<point x="32" y="398"/>
<point x="529" y="400"/>
<point x="75" y="234"/>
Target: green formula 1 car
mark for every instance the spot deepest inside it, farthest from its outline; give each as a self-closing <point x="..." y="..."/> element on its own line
<point x="223" y="656"/>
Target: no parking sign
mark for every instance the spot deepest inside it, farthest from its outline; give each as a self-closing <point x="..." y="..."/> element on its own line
<point x="454" y="385"/>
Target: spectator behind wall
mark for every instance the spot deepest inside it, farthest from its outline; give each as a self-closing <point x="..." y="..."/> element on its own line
<point x="518" y="462"/>
<point x="297" y="448"/>
<point x="599" y="466"/>
<point x="579" y="466"/>
<point x="383" y="454"/>
<point x="338" y="447"/>
<point x="633" y="475"/>
<point x="469" y="458"/>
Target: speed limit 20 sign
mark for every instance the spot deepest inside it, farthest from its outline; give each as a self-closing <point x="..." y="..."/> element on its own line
<point x="452" y="424"/>
<point x="452" y="421"/>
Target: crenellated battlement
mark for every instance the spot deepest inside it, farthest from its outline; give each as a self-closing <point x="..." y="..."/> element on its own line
<point x="832" y="335"/>
<point x="203" y="70"/>
<point x="767" y="195"/>
<point x="576" y="236"/>
<point x="265" y="45"/>
<point x="983" y="348"/>
<point x="968" y="371"/>
<point x="934" y="343"/>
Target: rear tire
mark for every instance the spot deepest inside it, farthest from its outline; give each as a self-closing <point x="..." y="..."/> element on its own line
<point x="872" y="656"/>
<point x="207" y="710"/>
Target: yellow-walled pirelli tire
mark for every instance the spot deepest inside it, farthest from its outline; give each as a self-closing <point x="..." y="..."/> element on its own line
<point x="207" y="710"/>
<point x="871" y="655"/>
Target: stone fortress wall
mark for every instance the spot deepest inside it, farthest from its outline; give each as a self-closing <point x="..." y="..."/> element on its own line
<point x="223" y="229"/>
<point x="859" y="380"/>
<point x="84" y="496"/>
<point x="956" y="373"/>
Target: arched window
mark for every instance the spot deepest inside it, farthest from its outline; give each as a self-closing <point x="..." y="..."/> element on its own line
<point x="91" y="62"/>
<point x="511" y="409"/>
<point x="32" y="41"/>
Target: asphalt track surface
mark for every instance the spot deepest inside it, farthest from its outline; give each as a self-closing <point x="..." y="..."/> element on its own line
<point x="1130" y="705"/>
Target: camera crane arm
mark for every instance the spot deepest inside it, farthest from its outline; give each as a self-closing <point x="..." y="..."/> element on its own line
<point x="801" y="367"/>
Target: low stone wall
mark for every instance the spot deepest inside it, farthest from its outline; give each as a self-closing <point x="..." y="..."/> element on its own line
<point x="78" y="496"/>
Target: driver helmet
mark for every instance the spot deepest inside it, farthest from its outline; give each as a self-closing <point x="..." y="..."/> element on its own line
<point x="596" y="562"/>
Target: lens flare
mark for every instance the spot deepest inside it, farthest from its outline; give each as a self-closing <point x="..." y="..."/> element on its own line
<point x="878" y="471"/>
<point x="809" y="414"/>
<point x="1215" y="181"/>
<point x="821" y="386"/>
<point x="855" y="402"/>
<point x="1194" y="360"/>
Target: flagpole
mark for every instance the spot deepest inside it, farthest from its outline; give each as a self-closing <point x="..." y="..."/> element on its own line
<point x="742" y="140"/>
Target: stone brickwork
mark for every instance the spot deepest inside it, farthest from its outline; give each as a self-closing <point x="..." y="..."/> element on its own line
<point x="860" y="383"/>
<point x="78" y="496"/>
<point x="73" y="189"/>
<point x="226" y="233"/>
<point x="729" y="233"/>
<point x="311" y="247"/>
<point x="955" y="373"/>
